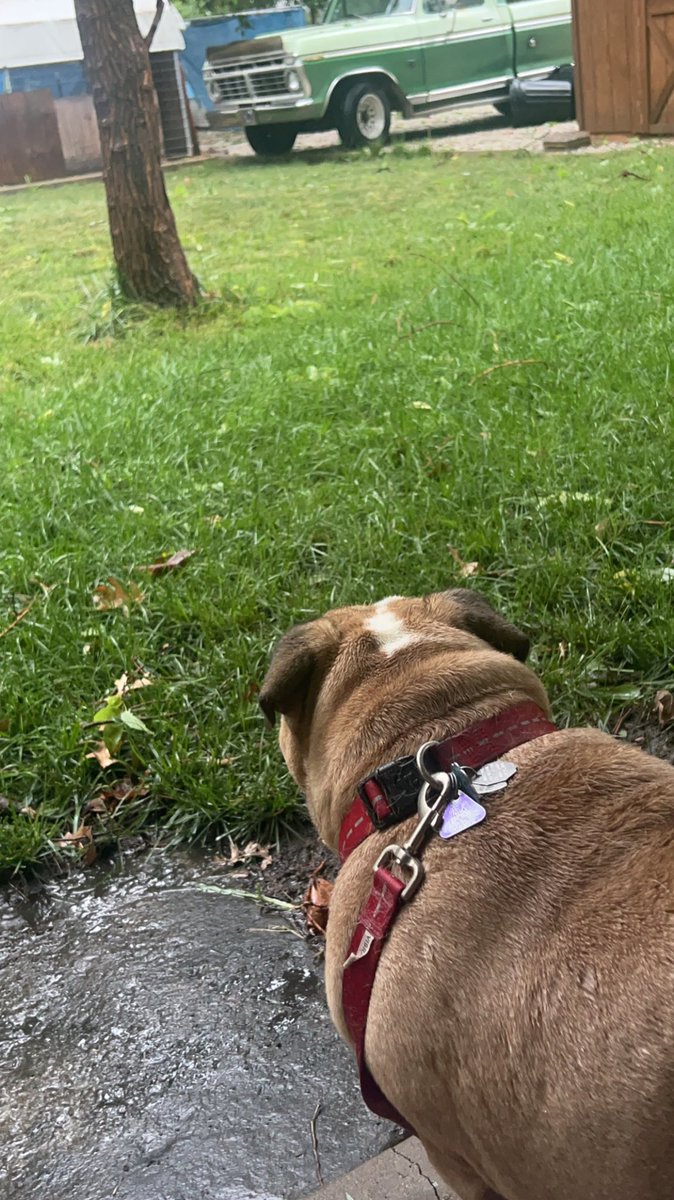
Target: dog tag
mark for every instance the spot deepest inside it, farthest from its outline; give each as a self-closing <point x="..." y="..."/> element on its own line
<point x="461" y="814"/>
<point x="494" y="777"/>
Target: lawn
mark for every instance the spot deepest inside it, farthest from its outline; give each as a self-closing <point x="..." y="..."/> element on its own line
<point x="406" y="363"/>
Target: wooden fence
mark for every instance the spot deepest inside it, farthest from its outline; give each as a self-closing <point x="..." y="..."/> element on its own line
<point x="43" y="138"/>
<point x="30" y="146"/>
<point x="78" y="130"/>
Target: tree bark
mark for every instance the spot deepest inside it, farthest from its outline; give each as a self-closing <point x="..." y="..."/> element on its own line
<point x="151" y="264"/>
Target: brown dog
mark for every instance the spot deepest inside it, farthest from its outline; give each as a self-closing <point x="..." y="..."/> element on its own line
<point x="522" y="1017"/>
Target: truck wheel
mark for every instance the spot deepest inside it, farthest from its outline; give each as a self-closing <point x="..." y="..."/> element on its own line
<point x="271" y="140"/>
<point x="364" y="115"/>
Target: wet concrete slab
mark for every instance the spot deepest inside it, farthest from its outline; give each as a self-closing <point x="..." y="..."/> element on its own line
<point x="401" y="1173"/>
<point x="160" y="1043"/>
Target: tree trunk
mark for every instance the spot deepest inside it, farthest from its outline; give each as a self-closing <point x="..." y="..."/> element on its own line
<point x="150" y="260"/>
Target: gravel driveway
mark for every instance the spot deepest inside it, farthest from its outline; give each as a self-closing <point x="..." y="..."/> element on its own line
<point x="475" y="128"/>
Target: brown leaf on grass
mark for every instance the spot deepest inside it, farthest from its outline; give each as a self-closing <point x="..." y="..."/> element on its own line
<point x="96" y="805"/>
<point x="102" y="755"/>
<point x="664" y="708"/>
<point x="83" y="840"/>
<point x="109" y="799"/>
<point x="125" y="683"/>
<point x="112" y="594"/>
<point x="172" y="563"/>
<point x="27" y="811"/>
<point x="465" y="568"/>
<point x="316" y="903"/>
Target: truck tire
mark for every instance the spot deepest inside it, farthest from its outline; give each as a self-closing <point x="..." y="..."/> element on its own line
<point x="271" y="140"/>
<point x="364" y="115"/>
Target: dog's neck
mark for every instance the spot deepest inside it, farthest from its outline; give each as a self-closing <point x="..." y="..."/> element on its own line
<point x="350" y="754"/>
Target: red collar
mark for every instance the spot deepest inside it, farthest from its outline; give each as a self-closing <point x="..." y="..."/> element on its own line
<point x="390" y="794"/>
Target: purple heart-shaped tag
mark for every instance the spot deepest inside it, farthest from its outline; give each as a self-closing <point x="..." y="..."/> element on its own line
<point x="461" y="814"/>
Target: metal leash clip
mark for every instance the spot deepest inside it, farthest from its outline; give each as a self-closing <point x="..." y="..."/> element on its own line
<point x="437" y="791"/>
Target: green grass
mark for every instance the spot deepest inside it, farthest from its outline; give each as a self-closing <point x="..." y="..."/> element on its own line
<point x="322" y="433"/>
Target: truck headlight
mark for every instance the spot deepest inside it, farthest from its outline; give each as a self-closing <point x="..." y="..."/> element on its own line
<point x="293" y="81"/>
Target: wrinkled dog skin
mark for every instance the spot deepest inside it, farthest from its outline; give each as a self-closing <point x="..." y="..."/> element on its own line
<point x="522" y="1017"/>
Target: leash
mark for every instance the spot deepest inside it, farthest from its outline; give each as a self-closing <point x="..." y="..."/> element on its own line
<point x="446" y="797"/>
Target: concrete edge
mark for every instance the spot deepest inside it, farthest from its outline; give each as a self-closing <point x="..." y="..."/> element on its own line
<point x="175" y="164"/>
<point x="401" y="1173"/>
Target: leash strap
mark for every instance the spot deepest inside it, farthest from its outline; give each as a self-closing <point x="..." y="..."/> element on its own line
<point x="387" y="797"/>
<point x="376" y="918"/>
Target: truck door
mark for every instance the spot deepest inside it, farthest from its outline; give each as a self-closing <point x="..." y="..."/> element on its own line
<point x="542" y="34"/>
<point x="474" y="55"/>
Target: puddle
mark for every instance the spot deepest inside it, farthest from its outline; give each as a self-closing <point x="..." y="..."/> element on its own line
<point x="160" y="1043"/>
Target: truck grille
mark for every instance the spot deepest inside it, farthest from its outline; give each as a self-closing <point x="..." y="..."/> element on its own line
<point x="248" y="80"/>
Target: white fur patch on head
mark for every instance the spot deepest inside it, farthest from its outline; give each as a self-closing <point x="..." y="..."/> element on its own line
<point x="389" y="628"/>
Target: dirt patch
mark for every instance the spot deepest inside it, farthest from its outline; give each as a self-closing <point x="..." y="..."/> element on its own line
<point x="641" y="729"/>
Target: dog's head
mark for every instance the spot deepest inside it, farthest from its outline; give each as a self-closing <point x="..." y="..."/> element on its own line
<point x="353" y="680"/>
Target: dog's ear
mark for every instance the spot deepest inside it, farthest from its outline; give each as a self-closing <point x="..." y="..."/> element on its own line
<point x="298" y="664"/>
<point x="475" y="614"/>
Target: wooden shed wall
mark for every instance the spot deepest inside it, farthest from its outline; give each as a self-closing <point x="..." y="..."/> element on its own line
<point x="624" y="52"/>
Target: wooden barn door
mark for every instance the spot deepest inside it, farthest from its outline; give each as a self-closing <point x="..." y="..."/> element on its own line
<point x="660" y="65"/>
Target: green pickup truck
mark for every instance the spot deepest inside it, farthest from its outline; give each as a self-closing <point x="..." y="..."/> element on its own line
<point x="368" y="58"/>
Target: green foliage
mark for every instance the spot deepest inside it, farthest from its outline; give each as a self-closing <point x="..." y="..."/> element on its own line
<point x="455" y="353"/>
<point x="213" y="8"/>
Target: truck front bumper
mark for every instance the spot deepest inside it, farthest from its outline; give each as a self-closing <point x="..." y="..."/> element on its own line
<point x="281" y="113"/>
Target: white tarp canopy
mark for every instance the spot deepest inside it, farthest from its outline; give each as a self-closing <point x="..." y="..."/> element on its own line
<point x="35" y="32"/>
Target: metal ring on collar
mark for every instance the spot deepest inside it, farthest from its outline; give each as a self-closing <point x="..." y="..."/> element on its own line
<point x="434" y="779"/>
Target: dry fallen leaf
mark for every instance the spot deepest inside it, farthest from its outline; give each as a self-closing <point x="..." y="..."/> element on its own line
<point x="83" y="840"/>
<point x="102" y="756"/>
<point x="316" y="903"/>
<point x="664" y="707"/>
<point x="112" y="594"/>
<point x="465" y="568"/>
<point x="255" y="850"/>
<point x="169" y="564"/>
<point x="241" y="854"/>
<point x="27" y="811"/>
<point x="108" y="800"/>
<point x="96" y="805"/>
<point x="123" y="685"/>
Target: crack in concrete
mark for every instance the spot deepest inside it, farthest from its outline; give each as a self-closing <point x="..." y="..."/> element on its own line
<point x="413" y="1163"/>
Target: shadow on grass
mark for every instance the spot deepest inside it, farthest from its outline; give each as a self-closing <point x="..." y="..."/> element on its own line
<point x="401" y="137"/>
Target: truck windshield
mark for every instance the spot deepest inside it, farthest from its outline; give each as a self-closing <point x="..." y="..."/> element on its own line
<point x="346" y="10"/>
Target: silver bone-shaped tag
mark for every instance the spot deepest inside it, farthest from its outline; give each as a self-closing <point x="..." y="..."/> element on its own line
<point x="494" y="777"/>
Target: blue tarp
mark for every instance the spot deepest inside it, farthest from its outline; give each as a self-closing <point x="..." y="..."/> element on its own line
<point x="62" y="79"/>
<point x="219" y="31"/>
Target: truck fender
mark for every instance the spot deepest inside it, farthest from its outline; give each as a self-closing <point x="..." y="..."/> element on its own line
<point x="398" y="98"/>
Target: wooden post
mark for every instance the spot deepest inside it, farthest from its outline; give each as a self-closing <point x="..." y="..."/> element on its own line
<point x="578" y="62"/>
<point x="150" y="260"/>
